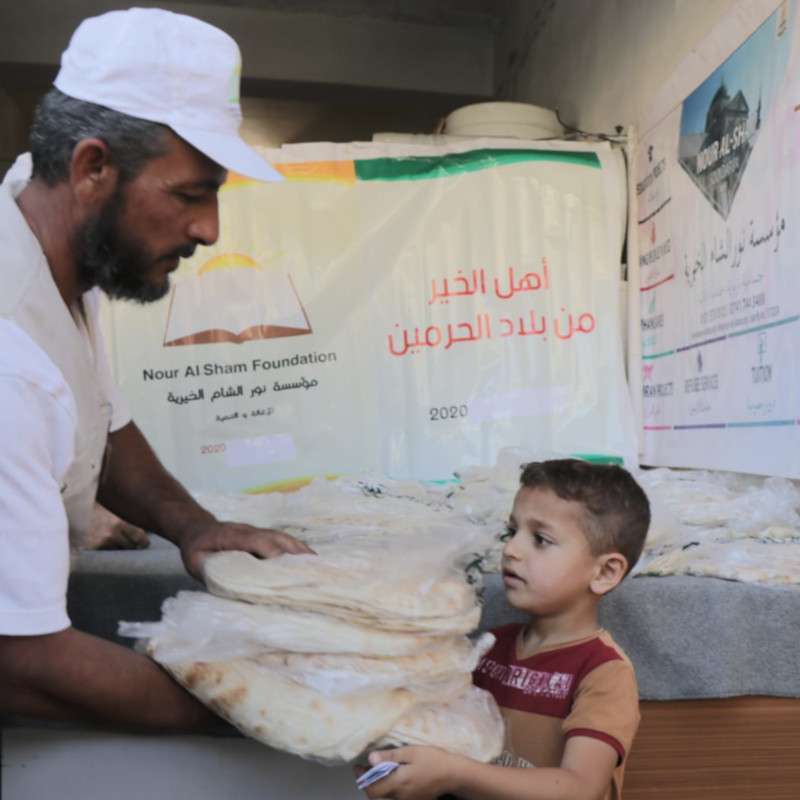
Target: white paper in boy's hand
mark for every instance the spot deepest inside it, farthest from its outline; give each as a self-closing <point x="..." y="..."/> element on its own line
<point x="375" y="773"/>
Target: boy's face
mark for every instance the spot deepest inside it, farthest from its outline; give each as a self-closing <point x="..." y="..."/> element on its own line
<point x="547" y="563"/>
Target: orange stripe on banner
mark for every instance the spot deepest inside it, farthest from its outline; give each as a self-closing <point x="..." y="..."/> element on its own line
<point x="337" y="171"/>
<point x="235" y="180"/>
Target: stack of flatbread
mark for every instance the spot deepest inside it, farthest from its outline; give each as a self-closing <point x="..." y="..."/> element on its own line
<point x="328" y="655"/>
<point x="750" y="560"/>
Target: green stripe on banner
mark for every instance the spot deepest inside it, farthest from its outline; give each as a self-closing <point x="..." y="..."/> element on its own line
<point x="415" y="168"/>
<point x="600" y="458"/>
<point x="658" y="355"/>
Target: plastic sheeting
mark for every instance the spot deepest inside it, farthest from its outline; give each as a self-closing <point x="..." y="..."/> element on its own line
<point x="394" y="309"/>
<point x="323" y="655"/>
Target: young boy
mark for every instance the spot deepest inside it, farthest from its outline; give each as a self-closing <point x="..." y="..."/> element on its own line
<point x="567" y="692"/>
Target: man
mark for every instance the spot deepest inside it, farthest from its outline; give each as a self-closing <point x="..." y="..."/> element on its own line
<point x="129" y="151"/>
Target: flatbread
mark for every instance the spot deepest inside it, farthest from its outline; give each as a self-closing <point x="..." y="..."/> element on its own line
<point x="286" y="715"/>
<point x="348" y="586"/>
<point x="470" y="725"/>
<point x="197" y="626"/>
<point x="430" y="674"/>
<point x="331" y="706"/>
<point x="744" y="560"/>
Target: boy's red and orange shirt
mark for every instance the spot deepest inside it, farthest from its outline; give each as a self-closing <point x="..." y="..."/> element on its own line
<point x="581" y="688"/>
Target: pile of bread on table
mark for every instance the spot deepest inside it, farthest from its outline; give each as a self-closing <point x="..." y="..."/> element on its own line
<point x="365" y="644"/>
<point x="362" y="645"/>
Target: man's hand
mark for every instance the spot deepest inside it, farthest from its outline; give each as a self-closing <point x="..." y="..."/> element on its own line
<point x="138" y="488"/>
<point x="214" y="536"/>
<point x="108" y="532"/>
<point x="424" y="773"/>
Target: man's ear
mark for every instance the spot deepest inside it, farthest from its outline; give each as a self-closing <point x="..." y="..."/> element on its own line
<point x="610" y="569"/>
<point x="93" y="176"/>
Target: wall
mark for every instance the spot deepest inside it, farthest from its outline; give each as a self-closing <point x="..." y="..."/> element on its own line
<point x="599" y="61"/>
<point x="313" y="70"/>
<point x="351" y="48"/>
<point x="268" y="122"/>
<point x="16" y="110"/>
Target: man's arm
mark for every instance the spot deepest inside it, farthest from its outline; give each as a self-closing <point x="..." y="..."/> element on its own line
<point x="72" y="675"/>
<point x="427" y="772"/>
<point x="46" y="667"/>
<point x="138" y="488"/>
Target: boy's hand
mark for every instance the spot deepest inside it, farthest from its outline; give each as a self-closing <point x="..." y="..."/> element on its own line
<point x="424" y="773"/>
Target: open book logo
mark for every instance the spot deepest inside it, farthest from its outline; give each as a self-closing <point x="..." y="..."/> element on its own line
<point x="231" y="298"/>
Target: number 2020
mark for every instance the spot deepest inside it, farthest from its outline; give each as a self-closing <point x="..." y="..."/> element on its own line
<point x="208" y="449"/>
<point x="439" y="413"/>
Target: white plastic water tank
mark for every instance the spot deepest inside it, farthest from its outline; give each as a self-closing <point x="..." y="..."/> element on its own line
<point x="517" y="120"/>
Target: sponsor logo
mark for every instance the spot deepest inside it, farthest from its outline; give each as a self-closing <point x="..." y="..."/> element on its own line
<point x="701" y="383"/>
<point x="761" y="372"/>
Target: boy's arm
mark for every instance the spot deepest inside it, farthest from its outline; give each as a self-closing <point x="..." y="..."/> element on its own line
<point x="426" y="772"/>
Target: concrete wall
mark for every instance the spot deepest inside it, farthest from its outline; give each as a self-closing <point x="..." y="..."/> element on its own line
<point x="355" y="49"/>
<point x="308" y="75"/>
<point x="599" y="61"/>
<point x="16" y="110"/>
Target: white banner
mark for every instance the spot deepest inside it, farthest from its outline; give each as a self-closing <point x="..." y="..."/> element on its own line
<point x="719" y="237"/>
<point x="392" y="308"/>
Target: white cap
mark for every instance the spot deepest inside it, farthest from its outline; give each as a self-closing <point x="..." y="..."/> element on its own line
<point x="168" y="68"/>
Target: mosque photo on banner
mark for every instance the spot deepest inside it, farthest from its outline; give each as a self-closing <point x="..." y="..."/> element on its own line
<point x="233" y="298"/>
<point x="722" y="118"/>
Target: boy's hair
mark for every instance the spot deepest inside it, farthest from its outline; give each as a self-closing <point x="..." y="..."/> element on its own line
<point x="616" y="509"/>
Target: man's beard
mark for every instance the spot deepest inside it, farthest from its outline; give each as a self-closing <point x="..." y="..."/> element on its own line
<point x="119" y="264"/>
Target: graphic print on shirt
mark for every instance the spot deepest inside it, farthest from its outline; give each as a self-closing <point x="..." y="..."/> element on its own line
<point x="536" y="682"/>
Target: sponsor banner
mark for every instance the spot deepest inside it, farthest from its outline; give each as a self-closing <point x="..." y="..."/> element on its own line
<point x="719" y="235"/>
<point x="401" y="310"/>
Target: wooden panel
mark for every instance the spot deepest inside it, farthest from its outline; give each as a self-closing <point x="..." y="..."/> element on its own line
<point x="740" y="748"/>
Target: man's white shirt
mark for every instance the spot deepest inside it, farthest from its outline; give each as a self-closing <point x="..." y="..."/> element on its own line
<point x="37" y="444"/>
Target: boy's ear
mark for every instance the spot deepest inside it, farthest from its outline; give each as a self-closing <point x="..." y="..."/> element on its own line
<point x="610" y="569"/>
